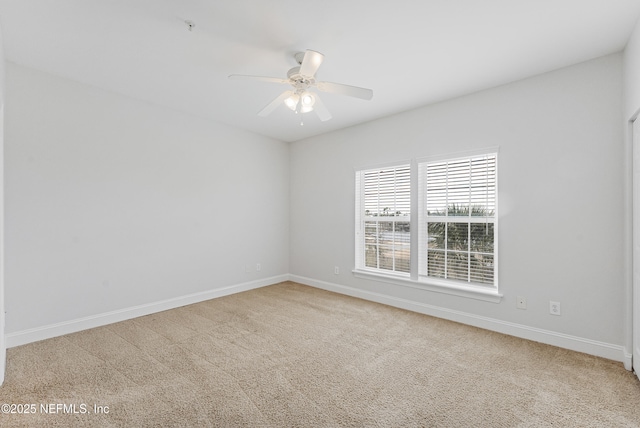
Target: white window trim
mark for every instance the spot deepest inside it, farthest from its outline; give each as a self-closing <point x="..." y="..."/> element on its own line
<point x="453" y="158"/>
<point x="361" y="219"/>
<point x="458" y="155"/>
<point x="445" y="287"/>
<point x="412" y="280"/>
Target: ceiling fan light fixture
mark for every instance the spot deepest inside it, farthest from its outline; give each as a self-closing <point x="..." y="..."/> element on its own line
<point x="302" y="78"/>
<point x="292" y="101"/>
<point x="307" y="99"/>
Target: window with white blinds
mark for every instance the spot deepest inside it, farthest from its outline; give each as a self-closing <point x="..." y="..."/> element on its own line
<point x="383" y="206"/>
<point x="457" y="217"/>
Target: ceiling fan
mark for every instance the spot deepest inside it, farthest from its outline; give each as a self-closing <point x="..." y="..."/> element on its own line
<point x="302" y="78"/>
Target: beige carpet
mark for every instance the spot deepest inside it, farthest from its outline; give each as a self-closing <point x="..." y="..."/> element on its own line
<point x="290" y="355"/>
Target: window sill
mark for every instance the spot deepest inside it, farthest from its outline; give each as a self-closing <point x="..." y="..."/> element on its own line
<point x="468" y="291"/>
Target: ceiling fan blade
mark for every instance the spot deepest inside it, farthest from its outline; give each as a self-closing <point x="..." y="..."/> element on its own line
<point x="274" y="104"/>
<point x="310" y="63"/>
<point x="339" y="88"/>
<point x="258" y="78"/>
<point x="321" y="110"/>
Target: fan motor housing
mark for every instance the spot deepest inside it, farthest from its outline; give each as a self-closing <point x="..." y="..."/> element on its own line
<point x="298" y="80"/>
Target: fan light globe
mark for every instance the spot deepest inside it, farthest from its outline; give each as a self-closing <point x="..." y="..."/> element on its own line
<point x="308" y="100"/>
<point x="292" y="101"/>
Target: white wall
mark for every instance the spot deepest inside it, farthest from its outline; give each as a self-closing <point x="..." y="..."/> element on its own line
<point x="631" y="73"/>
<point x="631" y="97"/>
<point x="113" y="203"/>
<point x="561" y="208"/>
<point x="3" y="343"/>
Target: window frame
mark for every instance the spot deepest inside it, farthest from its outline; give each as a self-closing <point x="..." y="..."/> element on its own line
<point x="362" y="219"/>
<point x="414" y="280"/>
<point x="425" y="218"/>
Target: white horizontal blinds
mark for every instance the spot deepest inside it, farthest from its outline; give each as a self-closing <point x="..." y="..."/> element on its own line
<point x="482" y="192"/>
<point x="359" y="220"/>
<point x="458" y="186"/>
<point x="457" y="214"/>
<point x="436" y="187"/>
<point x="387" y="192"/>
<point x="385" y="225"/>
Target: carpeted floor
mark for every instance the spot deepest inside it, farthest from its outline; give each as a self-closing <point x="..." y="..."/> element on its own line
<point x="290" y="355"/>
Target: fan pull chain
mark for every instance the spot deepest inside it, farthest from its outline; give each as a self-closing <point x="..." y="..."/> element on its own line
<point x="299" y="109"/>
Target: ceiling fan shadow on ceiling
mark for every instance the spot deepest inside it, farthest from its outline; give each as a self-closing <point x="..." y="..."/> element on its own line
<point x="302" y="78"/>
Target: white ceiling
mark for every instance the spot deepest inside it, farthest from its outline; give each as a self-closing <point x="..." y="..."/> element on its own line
<point x="411" y="53"/>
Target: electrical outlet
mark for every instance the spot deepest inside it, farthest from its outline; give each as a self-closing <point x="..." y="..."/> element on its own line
<point x="336" y="270"/>
<point x="258" y="267"/>
<point x="521" y="302"/>
<point x="554" y="308"/>
<point x="247" y="268"/>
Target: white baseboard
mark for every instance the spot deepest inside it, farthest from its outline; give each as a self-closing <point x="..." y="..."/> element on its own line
<point x="574" y="343"/>
<point x="627" y="358"/>
<point x="72" y="326"/>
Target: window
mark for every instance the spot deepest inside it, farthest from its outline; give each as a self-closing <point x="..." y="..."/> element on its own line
<point x="455" y="200"/>
<point x="457" y="213"/>
<point x="383" y="205"/>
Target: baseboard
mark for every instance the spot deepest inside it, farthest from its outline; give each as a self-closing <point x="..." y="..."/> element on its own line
<point x="72" y="326"/>
<point x="628" y="355"/>
<point x="574" y="343"/>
